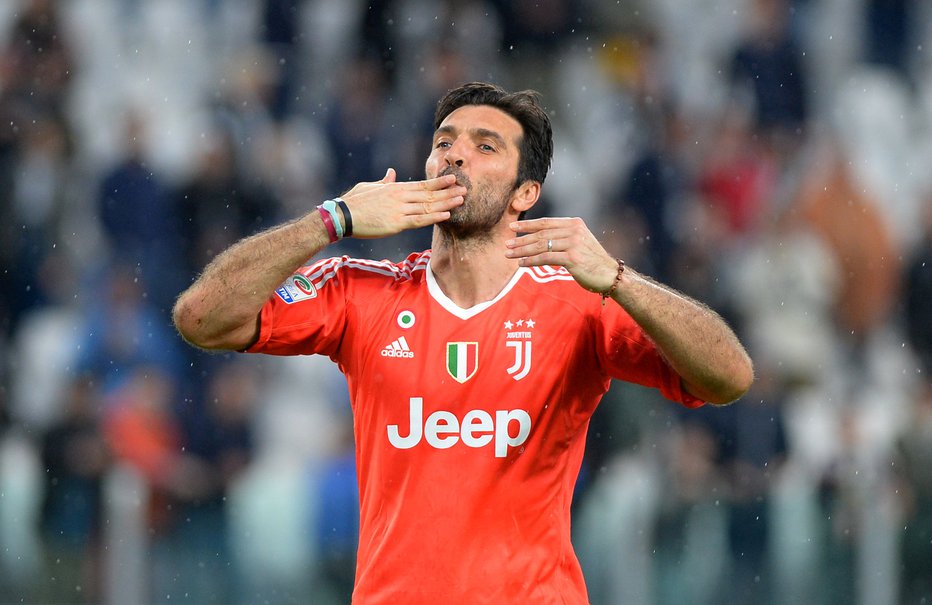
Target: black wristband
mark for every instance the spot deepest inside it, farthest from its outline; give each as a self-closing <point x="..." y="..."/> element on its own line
<point x="347" y="217"/>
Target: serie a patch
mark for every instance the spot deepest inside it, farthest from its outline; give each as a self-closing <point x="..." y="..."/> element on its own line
<point x="296" y="288"/>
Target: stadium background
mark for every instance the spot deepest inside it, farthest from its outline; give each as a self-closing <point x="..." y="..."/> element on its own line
<point x="769" y="157"/>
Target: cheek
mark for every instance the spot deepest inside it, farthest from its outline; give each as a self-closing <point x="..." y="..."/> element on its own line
<point x="432" y="165"/>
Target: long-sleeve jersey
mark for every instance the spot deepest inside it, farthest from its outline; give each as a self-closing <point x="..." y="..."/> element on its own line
<point x="470" y="424"/>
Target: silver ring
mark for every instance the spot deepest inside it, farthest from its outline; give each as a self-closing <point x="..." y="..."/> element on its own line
<point x="549" y="245"/>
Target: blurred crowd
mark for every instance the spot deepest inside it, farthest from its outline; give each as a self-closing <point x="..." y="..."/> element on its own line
<point x="768" y="157"/>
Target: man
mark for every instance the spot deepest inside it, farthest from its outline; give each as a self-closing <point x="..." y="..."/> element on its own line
<point x="474" y="367"/>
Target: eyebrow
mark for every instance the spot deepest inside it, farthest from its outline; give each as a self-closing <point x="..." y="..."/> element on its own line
<point x="476" y="133"/>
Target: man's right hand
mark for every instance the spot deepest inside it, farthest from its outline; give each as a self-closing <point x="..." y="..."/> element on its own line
<point x="386" y="207"/>
<point x="220" y="310"/>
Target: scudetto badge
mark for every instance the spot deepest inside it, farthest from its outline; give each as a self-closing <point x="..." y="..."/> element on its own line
<point x="462" y="360"/>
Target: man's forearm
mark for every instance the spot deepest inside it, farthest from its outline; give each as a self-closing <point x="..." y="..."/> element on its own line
<point x="220" y="309"/>
<point x="698" y="343"/>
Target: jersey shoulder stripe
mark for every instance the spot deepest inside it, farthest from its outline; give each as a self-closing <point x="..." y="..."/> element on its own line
<point x="322" y="271"/>
<point x="549" y="273"/>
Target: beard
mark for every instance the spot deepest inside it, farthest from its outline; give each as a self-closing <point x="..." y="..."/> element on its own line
<point x="483" y="208"/>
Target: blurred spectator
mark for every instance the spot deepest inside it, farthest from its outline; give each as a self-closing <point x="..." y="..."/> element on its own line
<point x="918" y="298"/>
<point x="378" y="36"/>
<point x="627" y="233"/>
<point x="137" y="217"/>
<point x="75" y="457"/>
<point x="45" y="346"/>
<point x="619" y="428"/>
<point x="915" y="483"/>
<point x="216" y="434"/>
<point x="336" y="527"/>
<point x="617" y="496"/>
<point x="783" y="287"/>
<point x="697" y="262"/>
<point x="850" y="222"/>
<point x="41" y="186"/>
<point x="282" y="35"/>
<point x="285" y="155"/>
<point x="842" y="497"/>
<point x="738" y="175"/>
<point x="532" y="31"/>
<point x="656" y="182"/>
<point x="356" y="129"/>
<point x="123" y="331"/>
<point x="534" y="28"/>
<point x="767" y="68"/>
<point x="752" y="447"/>
<point x="20" y="504"/>
<point x="143" y="431"/>
<point x="36" y="66"/>
<point x="890" y="33"/>
<point x="217" y="206"/>
<point x="361" y="140"/>
<point x="690" y="532"/>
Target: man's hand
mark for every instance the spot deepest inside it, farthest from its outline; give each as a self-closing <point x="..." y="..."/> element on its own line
<point x="695" y="341"/>
<point x="385" y="207"/>
<point x="565" y="242"/>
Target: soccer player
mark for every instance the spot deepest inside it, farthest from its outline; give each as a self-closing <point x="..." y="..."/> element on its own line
<point x="473" y="367"/>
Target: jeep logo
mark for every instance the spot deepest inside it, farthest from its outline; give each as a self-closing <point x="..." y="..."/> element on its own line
<point x="478" y="428"/>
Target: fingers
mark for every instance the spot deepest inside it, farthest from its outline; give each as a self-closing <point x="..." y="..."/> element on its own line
<point x="428" y="199"/>
<point x="386" y="207"/>
<point x="539" y="224"/>
<point x="547" y="247"/>
<point x="550" y="241"/>
<point x="434" y="184"/>
<point x="431" y="204"/>
<point x="432" y="218"/>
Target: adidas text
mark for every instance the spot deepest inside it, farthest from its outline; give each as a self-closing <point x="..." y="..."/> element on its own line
<point x="394" y="353"/>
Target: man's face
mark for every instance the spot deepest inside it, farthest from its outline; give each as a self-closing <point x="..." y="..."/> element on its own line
<point x="480" y="145"/>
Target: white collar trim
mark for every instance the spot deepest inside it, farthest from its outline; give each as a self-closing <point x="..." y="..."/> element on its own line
<point x="437" y="294"/>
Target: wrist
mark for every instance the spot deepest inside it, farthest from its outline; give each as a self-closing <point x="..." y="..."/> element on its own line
<point x="346" y="215"/>
<point x="610" y="291"/>
<point x="328" y="220"/>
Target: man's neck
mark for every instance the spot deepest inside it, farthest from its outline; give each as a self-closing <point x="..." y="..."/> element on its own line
<point x="470" y="271"/>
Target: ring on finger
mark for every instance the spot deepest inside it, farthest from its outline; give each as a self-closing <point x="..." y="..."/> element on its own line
<point x="549" y="245"/>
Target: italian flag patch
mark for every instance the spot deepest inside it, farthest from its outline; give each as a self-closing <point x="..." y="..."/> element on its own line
<point x="462" y="360"/>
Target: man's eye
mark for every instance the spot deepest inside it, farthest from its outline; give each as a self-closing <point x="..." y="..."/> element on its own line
<point x="486" y="147"/>
<point x="442" y="144"/>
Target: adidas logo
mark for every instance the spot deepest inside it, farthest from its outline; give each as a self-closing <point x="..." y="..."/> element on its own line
<point x="399" y="348"/>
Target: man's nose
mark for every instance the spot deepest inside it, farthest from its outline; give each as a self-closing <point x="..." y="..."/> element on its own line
<point x="454" y="156"/>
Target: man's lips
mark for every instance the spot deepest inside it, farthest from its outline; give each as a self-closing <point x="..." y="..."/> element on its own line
<point x="461" y="179"/>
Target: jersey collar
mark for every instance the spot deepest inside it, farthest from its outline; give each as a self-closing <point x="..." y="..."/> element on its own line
<point x="437" y="294"/>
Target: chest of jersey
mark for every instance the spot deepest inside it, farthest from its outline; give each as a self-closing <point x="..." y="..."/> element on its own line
<point x="480" y="380"/>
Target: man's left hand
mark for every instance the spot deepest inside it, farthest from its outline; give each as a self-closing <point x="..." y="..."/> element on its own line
<point x="566" y="242"/>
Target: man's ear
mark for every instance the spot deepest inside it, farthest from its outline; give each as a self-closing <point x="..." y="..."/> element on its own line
<point x="525" y="196"/>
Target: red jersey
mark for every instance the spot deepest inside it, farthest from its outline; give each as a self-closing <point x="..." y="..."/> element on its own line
<point x="470" y="423"/>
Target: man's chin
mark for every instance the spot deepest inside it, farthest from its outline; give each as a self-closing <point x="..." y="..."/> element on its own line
<point x="457" y="228"/>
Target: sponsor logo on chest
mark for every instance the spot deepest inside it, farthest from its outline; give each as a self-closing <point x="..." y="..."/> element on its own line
<point x="443" y="429"/>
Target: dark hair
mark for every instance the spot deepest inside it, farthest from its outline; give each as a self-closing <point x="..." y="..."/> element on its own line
<point x="536" y="145"/>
